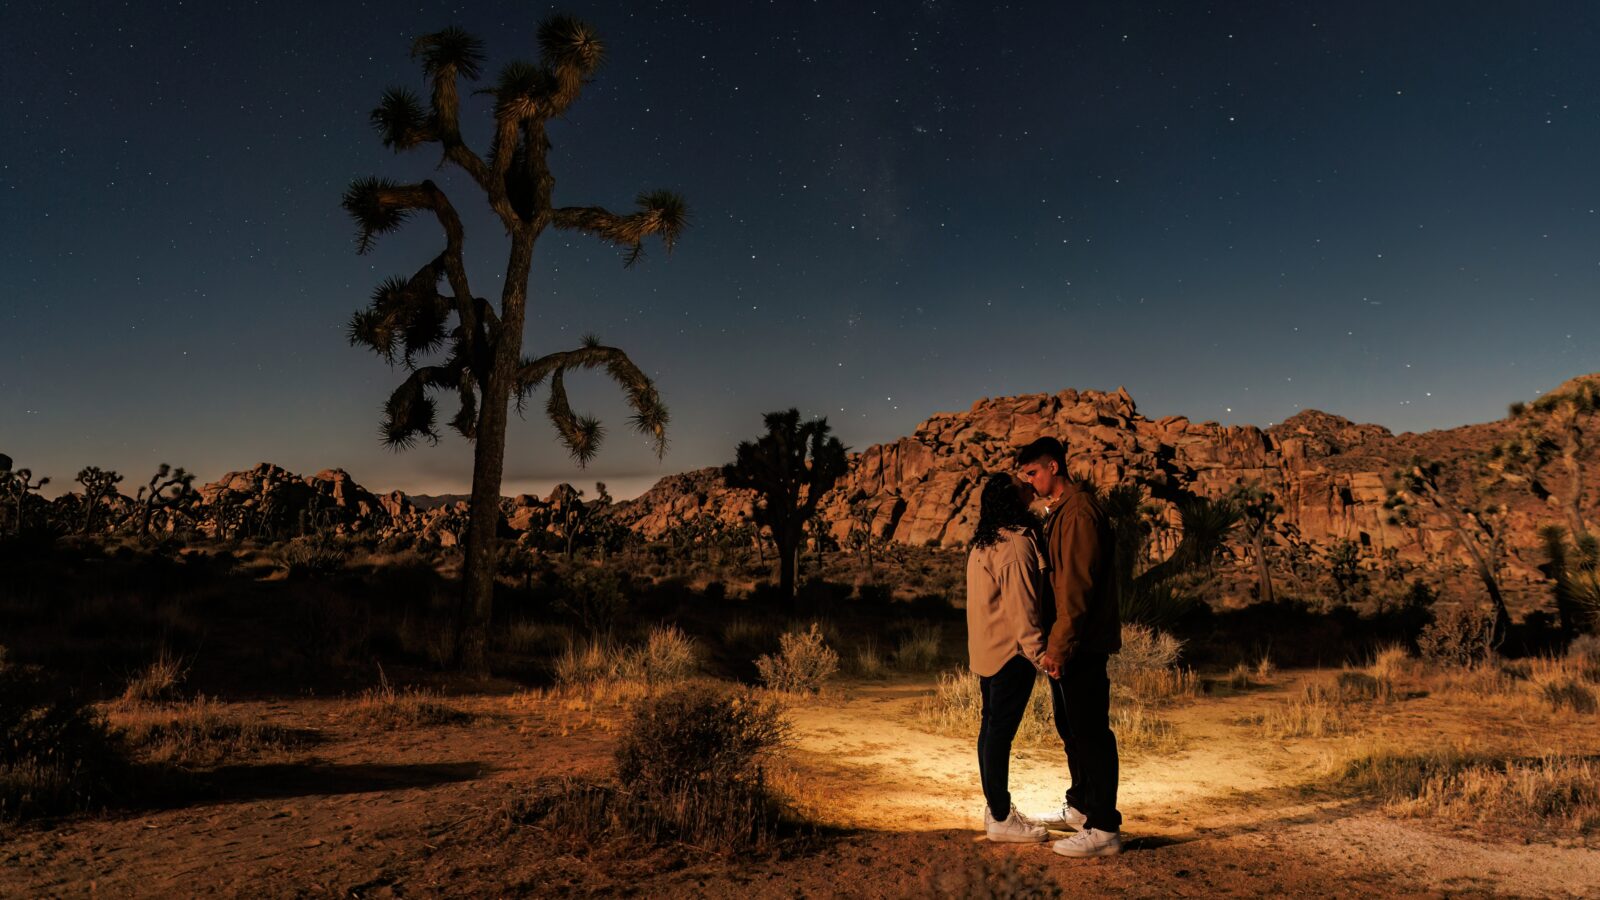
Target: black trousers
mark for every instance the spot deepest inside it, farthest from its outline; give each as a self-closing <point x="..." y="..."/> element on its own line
<point x="1005" y="699"/>
<point x="1081" y="702"/>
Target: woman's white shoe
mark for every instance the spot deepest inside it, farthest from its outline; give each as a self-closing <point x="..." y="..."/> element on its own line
<point x="1014" y="829"/>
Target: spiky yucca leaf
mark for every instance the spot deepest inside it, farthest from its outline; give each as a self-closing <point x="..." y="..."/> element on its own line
<point x="519" y="91"/>
<point x="365" y="201"/>
<point x="661" y="213"/>
<point x="447" y="50"/>
<point x="571" y="44"/>
<point x="410" y="412"/>
<point x="650" y="415"/>
<point x="400" y="119"/>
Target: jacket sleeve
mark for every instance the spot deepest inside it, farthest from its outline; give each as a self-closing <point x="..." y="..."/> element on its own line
<point x="1075" y="548"/>
<point x="1019" y="588"/>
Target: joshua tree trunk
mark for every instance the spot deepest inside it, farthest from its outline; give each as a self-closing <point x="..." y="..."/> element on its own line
<point x="1263" y="574"/>
<point x="1569" y="457"/>
<point x="788" y="561"/>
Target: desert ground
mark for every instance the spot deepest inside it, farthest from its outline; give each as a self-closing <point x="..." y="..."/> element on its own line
<point x="417" y="809"/>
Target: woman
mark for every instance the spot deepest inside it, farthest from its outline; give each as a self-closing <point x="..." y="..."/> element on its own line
<point x="1004" y="641"/>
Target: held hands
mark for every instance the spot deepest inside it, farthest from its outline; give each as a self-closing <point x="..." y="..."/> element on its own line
<point x="1051" y="662"/>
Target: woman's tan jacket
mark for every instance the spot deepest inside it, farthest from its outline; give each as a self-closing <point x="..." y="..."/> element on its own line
<point x="1004" y="602"/>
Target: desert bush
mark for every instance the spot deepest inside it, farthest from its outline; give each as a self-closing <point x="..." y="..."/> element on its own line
<point x="1146" y="669"/>
<point x="1139" y="730"/>
<point x="390" y="709"/>
<point x="1482" y="681"/>
<point x="1459" y="637"/>
<point x="918" y="650"/>
<point x="989" y="878"/>
<point x="692" y="764"/>
<point x="802" y="664"/>
<point x="1571" y="695"/>
<point x="156" y="682"/>
<point x="668" y="656"/>
<point x="310" y="555"/>
<point x="1556" y="791"/>
<point x="198" y="733"/>
<point x="1316" y="712"/>
<point x="867" y="661"/>
<point x="57" y="754"/>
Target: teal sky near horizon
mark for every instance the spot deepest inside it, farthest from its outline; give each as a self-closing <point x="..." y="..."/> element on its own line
<point x="1383" y="211"/>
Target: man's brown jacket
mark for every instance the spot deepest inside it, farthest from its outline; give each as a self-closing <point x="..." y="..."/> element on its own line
<point x="1079" y="543"/>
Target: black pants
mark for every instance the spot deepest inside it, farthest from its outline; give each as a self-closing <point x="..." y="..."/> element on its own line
<point x="1005" y="699"/>
<point x="1081" y="702"/>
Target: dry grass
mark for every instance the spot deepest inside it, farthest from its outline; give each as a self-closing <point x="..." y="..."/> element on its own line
<point x="867" y="661"/>
<point x="919" y="650"/>
<point x="1315" y="713"/>
<point x="956" y="708"/>
<point x="157" y="682"/>
<point x="668" y="656"/>
<point x="390" y="709"/>
<point x="1557" y="792"/>
<point x="198" y="733"/>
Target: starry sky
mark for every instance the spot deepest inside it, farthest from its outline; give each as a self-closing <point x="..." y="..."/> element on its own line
<point x="1382" y="210"/>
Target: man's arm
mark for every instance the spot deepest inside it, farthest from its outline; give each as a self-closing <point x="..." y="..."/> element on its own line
<point x="1075" y="546"/>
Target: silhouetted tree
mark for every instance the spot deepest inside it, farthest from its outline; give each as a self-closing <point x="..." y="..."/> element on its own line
<point x="791" y="467"/>
<point x="1555" y="426"/>
<point x="98" y="484"/>
<point x="483" y="365"/>
<point x="169" y="489"/>
<point x="15" y="486"/>
<point x="1258" y="510"/>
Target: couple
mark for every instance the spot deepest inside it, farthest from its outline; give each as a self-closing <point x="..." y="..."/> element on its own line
<point x="1042" y="601"/>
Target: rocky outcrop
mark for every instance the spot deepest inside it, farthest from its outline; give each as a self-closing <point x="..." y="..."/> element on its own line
<point x="1331" y="475"/>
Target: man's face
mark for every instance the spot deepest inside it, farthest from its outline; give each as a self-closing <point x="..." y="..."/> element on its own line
<point x="1041" y="476"/>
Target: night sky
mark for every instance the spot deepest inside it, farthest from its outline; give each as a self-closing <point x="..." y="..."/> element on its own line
<point x="1384" y="210"/>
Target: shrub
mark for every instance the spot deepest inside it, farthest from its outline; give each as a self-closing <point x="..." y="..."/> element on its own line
<point x="389" y="709"/>
<point x="1315" y="713"/>
<point x="667" y="657"/>
<point x="1556" y="791"/>
<point x="1459" y="637"/>
<point x="867" y="662"/>
<point x="1569" y="695"/>
<point x="311" y="555"/>
<point x="692" y="764"/>
<point x="594" y="597"/>
<point x="56" y="754"/>
<point x="802" y="663"/>
<point x="918" y="651"/>
<point x="157" y="682"/>
<point x="199" y="733"/>
<point x="1145" y="669"/>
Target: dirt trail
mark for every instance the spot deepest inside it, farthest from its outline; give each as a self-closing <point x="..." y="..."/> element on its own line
<point x="408" y="813"/>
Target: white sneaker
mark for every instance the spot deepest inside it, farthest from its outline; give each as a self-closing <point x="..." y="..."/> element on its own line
<point x="1014" y="830"/>
<point x="1062" y="817"/>
<point x="1090" y="842"/>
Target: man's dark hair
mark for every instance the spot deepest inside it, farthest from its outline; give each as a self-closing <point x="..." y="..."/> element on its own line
<point x="999" y="507"/>
<point x="1044" y="448"/>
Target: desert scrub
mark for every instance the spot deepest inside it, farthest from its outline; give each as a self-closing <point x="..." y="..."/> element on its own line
<point x="157" y="682"/>
<point x="1317" y="712"/>
<point x="313" y="555"/>
<point x="1146" y="670"/>
<point x="803" y="663"/>
<point x="918" y="650"/>
<point x="1459" y="637"/>
<point x="57" y="755"/>
<point x="198" y="733"/>
<point x="691" y="768"/>
<point x="1557" y="791"/>
<point x="867" y="661"/>
<point x="391" y="709"/>
<point x="668" y="656"/>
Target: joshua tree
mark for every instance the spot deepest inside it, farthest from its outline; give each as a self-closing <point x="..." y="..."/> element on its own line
<point x="98" y="484"/>
<point x="168" y="489"/>
<point x="1555" y="429"/>
<point x="484" y="365"/>
<point x="1258" y="509"/>
<point x="15" y="486"/>
<point x="791" y="467"/>
<point x="863" y="516"/>
<point x="1420" y="484"/>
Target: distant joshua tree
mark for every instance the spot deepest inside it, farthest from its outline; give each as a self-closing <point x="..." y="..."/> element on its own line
<point x="791" y="467"/>
<point x="98" y="484"/>
<point x="169" y="489"/>
<point x="1420" y="485"/>
<point x="1258" y="510"/>
<point x="15" y="486"/>
<point x="484" y="365"/>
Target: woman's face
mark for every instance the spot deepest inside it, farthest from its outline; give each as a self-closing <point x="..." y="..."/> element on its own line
<point x="1025" y="491"/>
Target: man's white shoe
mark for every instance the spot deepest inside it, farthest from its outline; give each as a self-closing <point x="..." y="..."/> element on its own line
<point x="1090" y="842"/>
<point x="1013" y="830"/>
<point x="1063" y="817"/>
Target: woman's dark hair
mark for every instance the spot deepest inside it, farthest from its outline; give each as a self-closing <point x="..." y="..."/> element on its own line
<point x="1000" y="507"/>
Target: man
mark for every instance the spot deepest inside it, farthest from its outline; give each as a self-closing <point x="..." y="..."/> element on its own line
<point x="1086" y="629"/>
